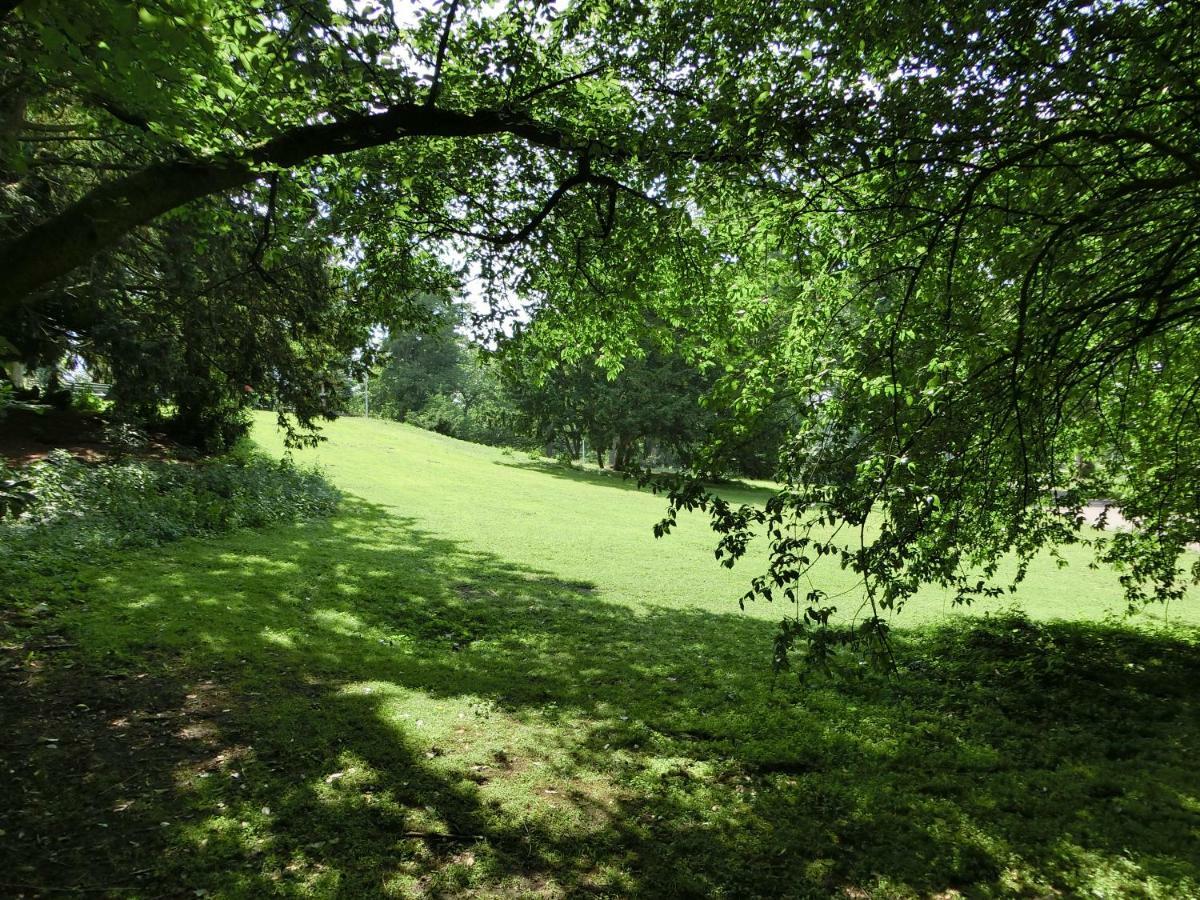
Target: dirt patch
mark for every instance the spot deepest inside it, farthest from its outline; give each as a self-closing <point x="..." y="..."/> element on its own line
<point x="26" y="437"/>
<point x="1104" y="515"/>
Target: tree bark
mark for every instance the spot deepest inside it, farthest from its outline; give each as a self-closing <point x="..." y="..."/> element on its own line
<point x="102" y="217"/>
<point x="624" y="450"/>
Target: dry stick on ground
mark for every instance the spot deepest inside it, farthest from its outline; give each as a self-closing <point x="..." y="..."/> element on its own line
<point x="441" y="836"/>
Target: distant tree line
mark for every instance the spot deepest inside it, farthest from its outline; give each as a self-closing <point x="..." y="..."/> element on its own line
<point x="651" y="408"/>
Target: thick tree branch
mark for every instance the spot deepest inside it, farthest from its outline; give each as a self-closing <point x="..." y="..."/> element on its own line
<point x="103" y="216"/>
<point x="122" y="115"/>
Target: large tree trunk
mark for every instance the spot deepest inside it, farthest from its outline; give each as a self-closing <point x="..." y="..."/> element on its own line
<point x="101" y="218"/>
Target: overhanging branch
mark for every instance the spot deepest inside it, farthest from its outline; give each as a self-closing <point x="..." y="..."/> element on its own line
<point x="584" y="176"/>
<point x="103" y="216"/>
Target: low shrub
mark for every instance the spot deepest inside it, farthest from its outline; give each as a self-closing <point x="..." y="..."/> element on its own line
<point x="87" y="400"/>
<point x="79" y="512"/>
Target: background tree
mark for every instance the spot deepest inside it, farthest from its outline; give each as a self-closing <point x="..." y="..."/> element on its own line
<point x="645" y="407"/>
<point x="249" y="298"/>
<point x="416" y="365"/>
<point x="437" y="378"/>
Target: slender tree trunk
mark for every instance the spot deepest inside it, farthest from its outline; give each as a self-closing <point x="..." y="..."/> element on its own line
<point x="624" y="453"/>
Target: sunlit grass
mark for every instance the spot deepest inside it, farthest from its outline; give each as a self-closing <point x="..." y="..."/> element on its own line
<point x="596" y="527"/>
<point x="484" y="677"/>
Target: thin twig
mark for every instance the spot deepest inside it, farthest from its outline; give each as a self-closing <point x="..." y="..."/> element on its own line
<point x="441" y="836"/>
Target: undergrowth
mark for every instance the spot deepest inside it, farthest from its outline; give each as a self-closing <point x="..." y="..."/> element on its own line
<point x="75" y="512"/>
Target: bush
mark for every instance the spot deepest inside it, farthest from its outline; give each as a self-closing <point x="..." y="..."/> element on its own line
<point x="441" y="414"/>
<point x="81" y="512"/>
<point x="87" y="400"/>
<point x="484" y="423"/>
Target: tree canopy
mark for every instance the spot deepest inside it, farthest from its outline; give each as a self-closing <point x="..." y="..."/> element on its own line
<point x="996" y="309"/>
<point x="957" y="244"/>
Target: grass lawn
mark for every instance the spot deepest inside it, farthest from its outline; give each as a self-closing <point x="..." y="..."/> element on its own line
<point x="485" y="677"/>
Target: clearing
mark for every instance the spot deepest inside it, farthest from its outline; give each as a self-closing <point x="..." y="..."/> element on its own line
<point x="485" y="677"/>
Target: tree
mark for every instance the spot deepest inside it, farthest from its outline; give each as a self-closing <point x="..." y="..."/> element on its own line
<point x="418" y="364"/>
<point x="996" y="314"/>
<point x="435" y="377"/>
<point x="191" y="335"/>
<point x="248" y="298"/>
<point x="972" y="226"/>
<point x="217" y="307"/>
<point x="222" y="96"/>
<point x="647" y="404"/>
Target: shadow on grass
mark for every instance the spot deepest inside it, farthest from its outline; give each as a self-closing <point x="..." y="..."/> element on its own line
<point x="733" y="490"/>
<point x="358" y="708"/>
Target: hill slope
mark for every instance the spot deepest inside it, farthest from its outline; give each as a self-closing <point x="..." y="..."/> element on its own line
<point x="485" y="678"/>
<point x="596" y="528"/>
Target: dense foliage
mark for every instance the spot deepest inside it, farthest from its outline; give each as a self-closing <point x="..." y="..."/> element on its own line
<point x="646" y="409"/>
<point x="435" y="377"/>
<point x="993" y="314"/>
<point x="73" y="512"/>
<point x="640" y="410"/>
<point x="232" y="301"/>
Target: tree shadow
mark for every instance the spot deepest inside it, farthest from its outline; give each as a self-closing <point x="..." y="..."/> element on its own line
<point x="733" y="490"/>
<point x="358" y="708"/>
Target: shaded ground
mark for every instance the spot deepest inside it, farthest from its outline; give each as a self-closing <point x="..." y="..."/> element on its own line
<point x="28" y="436"/>
<point x="93" y="761"/>
<point x="360" y="708"/>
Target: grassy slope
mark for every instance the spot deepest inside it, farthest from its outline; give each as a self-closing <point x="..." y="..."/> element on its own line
<point x="486" y="678"/>
<point x="597" y="528"/>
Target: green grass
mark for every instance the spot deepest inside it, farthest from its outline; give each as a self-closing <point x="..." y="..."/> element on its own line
<point x="593" y="527"/>
<point x="484" y="677"/>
